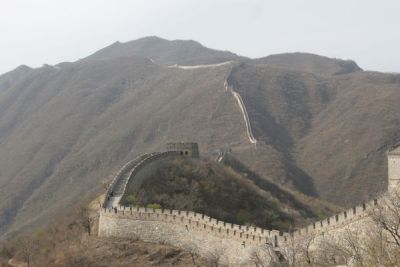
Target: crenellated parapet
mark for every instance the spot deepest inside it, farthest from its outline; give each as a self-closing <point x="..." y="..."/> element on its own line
<point x="187" y="228"/>
<point x="339" y="220"/>
<point x="188" y="221"/>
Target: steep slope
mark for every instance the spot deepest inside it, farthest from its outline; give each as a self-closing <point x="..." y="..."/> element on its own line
<point x="165" y="52"/>
<point x="355" y="130"/>
<point x="329" y="133"/>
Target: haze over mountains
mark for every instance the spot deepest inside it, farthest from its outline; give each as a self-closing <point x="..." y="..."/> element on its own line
<point x="64" y="129"/>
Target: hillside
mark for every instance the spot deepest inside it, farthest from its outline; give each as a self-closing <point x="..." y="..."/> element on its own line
<point x="219" y="191"/>
<point x="65" y="129"/>
<point x="72" y="127"/>
<point x="329" y="133"/>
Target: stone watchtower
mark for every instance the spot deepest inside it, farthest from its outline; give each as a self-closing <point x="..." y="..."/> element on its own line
<point x="394" y="168"/>
<point x="185" y="149"/>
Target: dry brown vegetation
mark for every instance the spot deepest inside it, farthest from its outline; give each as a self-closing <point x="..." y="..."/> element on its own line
<point x="68" y="243"/>
<point x="64" y="128"/>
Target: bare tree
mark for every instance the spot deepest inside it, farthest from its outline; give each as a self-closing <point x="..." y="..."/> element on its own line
<point x="297" y="250"/>
<point x="264" y="256"/>
<point x="193" y="250"/>
<point x="386" y="215"/>
<point x="214" y="257"/>
<point x="86" y="219"/>
<point x="362" y="244"/>
<point x="28" y="249"/>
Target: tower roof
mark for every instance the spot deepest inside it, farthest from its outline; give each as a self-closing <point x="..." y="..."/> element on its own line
<point x="395" y="150"/>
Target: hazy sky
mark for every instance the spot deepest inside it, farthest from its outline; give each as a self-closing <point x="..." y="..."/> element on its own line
<point x="34" y="32"/>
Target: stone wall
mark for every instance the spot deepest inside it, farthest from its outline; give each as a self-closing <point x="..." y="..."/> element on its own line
<point x="147" y="160"/>
<point x="118" y="183"/>
<point x="339" y="220"/>
<point x="394" y="171"/>
<point x="187" y="230"/>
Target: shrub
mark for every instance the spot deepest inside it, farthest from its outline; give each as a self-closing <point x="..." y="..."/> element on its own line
<point x="154" y="206"/>
<point x="131" y="200"/>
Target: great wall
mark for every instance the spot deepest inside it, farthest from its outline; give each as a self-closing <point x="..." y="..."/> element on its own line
<point x="205" y="235"/>
<point x="243" y="109"/>
<point x="199" y="232"/>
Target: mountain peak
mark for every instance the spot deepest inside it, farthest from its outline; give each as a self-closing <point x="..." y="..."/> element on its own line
<point x="13" y="76"/>
<point x="164" y="52"/>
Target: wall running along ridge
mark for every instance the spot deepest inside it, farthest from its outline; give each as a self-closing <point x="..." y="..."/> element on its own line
<point x="176" y="66"/>
<point x="235" y="94"/>
<point x="242" y="107"/>
<point x="189" y="230"/>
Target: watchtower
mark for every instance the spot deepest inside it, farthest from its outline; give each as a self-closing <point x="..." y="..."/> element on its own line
<point x="394" y="168"/>
<point x="185" y="149"/>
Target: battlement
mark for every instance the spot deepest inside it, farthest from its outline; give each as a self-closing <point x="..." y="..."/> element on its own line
<point x="183" y="228"/>
<point x="192" y="221"/>
<point x="339" y="220"/>
<point x="189" y="220"/>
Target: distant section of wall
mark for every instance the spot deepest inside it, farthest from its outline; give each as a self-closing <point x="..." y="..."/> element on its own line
<point x="242" y="107"/>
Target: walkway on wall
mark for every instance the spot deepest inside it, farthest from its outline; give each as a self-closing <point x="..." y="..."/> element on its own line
<point x="184" y="67"/>
<point x="118" y="185"/>
<point x="242" y="107"/>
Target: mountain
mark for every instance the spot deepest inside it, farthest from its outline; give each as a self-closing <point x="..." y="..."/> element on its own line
<point x="165" y="52"/>
<point x="64" y="129"/>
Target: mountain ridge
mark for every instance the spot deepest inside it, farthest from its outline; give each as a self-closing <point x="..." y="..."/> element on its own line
<point x="65" y="129"/>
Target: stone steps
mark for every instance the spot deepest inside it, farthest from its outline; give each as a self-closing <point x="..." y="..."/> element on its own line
<point x="117" y="189"/>
<point x="119" y="186"/>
